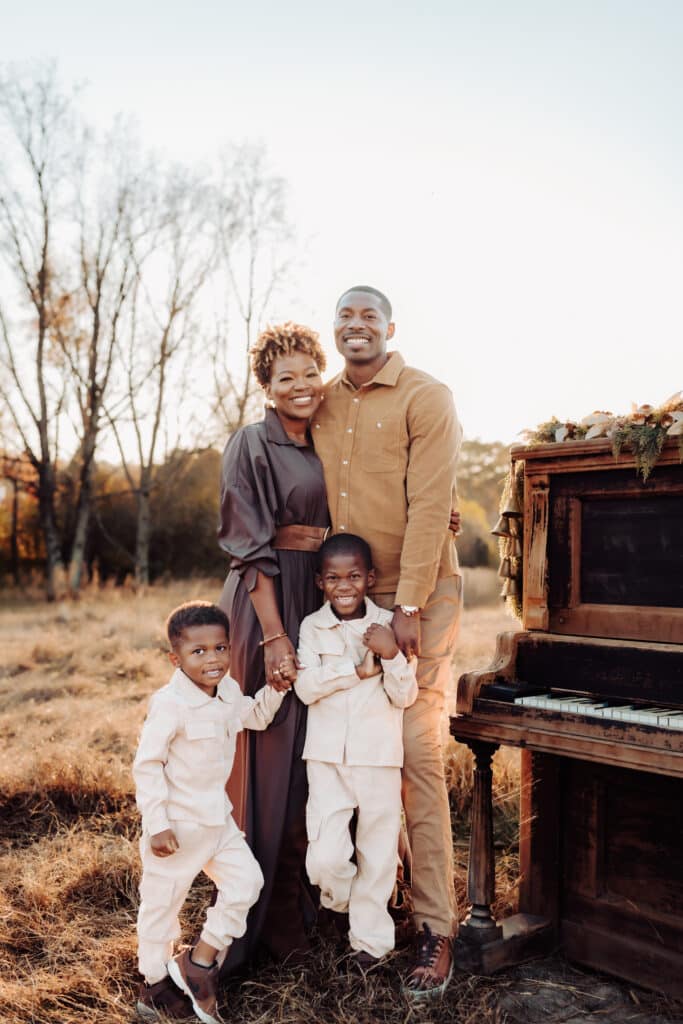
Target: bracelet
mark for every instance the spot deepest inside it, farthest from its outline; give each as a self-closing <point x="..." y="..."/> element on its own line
<point x="269" y="639"/>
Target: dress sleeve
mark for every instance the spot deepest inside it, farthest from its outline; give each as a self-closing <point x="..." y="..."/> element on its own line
<point x="248" y="507"/>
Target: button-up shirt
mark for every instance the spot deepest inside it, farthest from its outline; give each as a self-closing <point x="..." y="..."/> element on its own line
<point x="187" y="747"/>
<point x="351" y="720"/>
<point x="389" y="450"/>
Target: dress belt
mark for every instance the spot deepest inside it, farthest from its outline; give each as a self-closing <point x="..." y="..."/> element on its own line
<point x="300" y="538"/>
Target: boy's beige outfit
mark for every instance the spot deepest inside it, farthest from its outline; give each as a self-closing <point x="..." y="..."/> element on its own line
<point x="353" y="754"/>
<point x="389" y="450"/>
<point x="183" y="761"/>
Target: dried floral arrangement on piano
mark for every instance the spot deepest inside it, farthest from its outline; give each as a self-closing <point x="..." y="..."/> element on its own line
<point x="642" y="433"/>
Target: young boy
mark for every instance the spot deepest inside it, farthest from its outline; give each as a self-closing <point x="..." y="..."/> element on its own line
<point x="356" y="683"/>
<point x="183" y="761"/>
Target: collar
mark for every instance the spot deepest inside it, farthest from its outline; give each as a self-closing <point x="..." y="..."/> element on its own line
<point x="275" y="432"/>
<point x="326" y="619"/>
<point x="388" y="375"/>
<point x="190" y="693"/>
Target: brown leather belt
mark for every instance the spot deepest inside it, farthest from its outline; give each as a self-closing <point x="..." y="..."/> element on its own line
<point x="300" y="538"/>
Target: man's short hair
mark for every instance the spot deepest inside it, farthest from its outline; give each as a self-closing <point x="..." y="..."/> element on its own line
<point x="194" y="613"/>
<point x="345" y="544"/>
<point x="384" y="301"/>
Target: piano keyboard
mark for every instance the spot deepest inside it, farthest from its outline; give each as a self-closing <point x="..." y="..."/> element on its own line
<point x="665" y="718"/>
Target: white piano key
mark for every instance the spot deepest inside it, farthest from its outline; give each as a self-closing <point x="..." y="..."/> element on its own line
<point x="644" y="714"/>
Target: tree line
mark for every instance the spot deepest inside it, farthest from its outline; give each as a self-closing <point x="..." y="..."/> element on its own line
<point x="183" y="516"/>
<point x="130" y="290"/>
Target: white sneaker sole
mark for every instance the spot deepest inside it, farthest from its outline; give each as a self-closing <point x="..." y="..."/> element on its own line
<point x="429" y="993"/>
<point x="177" y="977"/>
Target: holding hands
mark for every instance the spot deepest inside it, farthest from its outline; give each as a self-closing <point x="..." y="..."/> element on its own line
<point x="280" y="664"/>
<point x="381" y="643"/>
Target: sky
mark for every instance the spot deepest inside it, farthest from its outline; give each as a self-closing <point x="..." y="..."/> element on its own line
<point x="508" y="171"/>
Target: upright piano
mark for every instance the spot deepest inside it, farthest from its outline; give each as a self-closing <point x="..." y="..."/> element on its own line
<point x="591" y="690"/>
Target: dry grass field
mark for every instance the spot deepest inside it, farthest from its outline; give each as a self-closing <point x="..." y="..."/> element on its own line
<point x="74" y="679"/>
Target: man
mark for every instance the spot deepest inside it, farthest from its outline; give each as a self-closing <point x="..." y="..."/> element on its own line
<point x="388" y="437"/>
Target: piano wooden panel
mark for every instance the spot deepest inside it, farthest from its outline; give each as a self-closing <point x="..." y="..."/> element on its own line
<point x="601" y="808"/>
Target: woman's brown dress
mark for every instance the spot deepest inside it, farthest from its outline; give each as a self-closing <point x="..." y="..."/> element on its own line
<point x="268" y="481"/>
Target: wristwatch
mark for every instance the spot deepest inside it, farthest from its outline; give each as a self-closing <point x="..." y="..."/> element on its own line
<point x="409" y="609"/>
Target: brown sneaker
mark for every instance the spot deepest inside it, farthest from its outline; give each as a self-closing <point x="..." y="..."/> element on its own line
<point x="163" y="997"/>
<point x="199" y="983"/>
<point x="433" y="968"/>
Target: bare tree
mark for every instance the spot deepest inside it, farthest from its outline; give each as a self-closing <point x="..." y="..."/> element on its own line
<point x="255" y="240"/>
<point x="90" y="318"/>
<point x="37" y="124"/>
<point x="173" y="260"/>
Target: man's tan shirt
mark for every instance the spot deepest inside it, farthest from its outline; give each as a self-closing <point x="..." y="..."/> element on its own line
<point x="389" y="450"/>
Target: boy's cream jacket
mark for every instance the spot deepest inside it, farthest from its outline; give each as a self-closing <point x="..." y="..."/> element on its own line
<point x="187" y="747"/>
<point x="350" y="720"/>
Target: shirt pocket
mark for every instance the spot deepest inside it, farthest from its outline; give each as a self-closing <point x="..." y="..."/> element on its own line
<point x="206" y="740"/>
<point x="381" y="445"/>
<point x="201" y="730"/>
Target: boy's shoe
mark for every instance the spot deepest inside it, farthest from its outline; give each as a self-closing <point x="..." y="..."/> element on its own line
<point x="163" y="997"/>
<point x="433" y="967"/>
<point x="199" y="983"/>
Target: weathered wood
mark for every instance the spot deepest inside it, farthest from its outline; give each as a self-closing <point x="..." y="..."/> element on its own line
<point x="618" y="953"/>
<point x="523" y="938"/>
<point x="535" y="570"/>
<point x="540" y="836"/>
<point x="502" y="666"/>
<point x="623" y="744"/>
<point x="479" y="926"/>
<point x="601" y="821"/>
<point x="587" y="456"/>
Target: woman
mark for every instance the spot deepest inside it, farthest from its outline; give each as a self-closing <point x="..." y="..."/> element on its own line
<point x="273" y="519"/>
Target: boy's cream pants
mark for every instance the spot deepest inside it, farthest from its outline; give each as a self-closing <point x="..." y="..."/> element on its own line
<point x="221" y="853"/>
<point x="364" y="888"/>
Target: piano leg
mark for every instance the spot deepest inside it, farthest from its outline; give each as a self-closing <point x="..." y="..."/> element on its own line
<point x="480" y="927"/>
<point x="483" y="945"/>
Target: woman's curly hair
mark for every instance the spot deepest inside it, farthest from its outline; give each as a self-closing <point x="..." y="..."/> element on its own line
<point x="283" y="340"/>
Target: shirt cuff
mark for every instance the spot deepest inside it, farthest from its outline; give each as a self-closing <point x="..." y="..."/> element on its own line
<point x="398" y="661"/>
<point x="413" y="593"/>
<point x="156" y="823"/>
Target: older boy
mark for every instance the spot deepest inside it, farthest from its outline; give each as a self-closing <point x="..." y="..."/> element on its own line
<point x="388" y="437"/>
<point x="356" y="683"/>
<point x="183" y="761"/>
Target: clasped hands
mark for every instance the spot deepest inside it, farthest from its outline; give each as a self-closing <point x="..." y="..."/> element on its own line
<point x="381" y="643"/>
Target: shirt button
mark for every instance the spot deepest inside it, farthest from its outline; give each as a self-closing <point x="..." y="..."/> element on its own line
<point x="345" y="462"/>
<point x="349" y="430"/>
<point x="317" y="426"/>
<point x="356" y="400"/>
<point x="341" y="526"/>
<point x="378" y="423"/>
<point x="343" y="494"/>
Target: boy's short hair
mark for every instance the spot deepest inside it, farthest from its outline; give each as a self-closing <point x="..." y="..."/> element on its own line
<point x="194" y="613"/>
<point x="345" y="544"/>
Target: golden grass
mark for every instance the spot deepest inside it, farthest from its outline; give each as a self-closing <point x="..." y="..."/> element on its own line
<point x="74" y="679"/>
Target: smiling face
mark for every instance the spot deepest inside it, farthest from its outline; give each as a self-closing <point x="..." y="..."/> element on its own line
<point x="295" y="387"/>
<point x="362" y="329"/>
<point x="344" y="579"/>
<point x="203" y="654"/>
